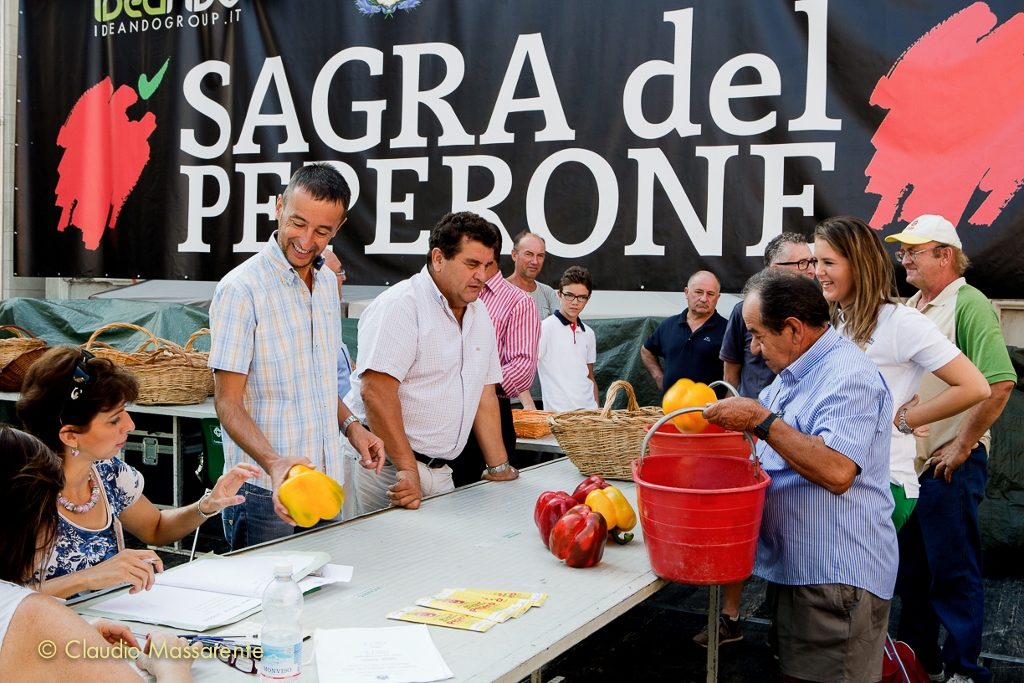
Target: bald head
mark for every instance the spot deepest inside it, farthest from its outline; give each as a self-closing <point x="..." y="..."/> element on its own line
<point x="702" y="293"/>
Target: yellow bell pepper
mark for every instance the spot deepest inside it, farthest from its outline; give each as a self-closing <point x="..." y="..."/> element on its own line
<point x="686" y="393"/>
<point x="310" y="495"/>
<point x="615" y="509"/>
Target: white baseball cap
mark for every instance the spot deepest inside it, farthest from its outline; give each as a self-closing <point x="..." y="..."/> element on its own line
<point x="928" y="228"/>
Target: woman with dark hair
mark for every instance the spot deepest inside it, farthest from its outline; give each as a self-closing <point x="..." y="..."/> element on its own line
<point x="858" y="280"/>
<point x="31" y="479"/>
<point x="75" y="404"/>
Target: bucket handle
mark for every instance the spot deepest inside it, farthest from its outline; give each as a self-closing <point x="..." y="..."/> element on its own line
<point x="683" y="411"/>
<point x="723" y="383"/>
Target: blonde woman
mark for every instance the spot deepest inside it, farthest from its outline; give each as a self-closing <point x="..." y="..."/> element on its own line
<point x="858" y="280"/>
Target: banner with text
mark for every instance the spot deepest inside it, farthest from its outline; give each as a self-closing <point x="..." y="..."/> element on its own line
<point x="644" y="140"/>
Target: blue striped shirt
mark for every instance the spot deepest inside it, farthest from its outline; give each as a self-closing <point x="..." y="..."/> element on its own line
<point x="266" y="324"/>
<point x="809" y="535"/>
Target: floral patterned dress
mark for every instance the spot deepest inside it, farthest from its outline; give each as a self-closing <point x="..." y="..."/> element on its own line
<point x="79" y="548"/>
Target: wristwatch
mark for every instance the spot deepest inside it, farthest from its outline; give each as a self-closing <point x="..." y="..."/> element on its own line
<point x="761" y="430"/>
<point x="349" y="421"/>
<point x="498" y="469"/>
<point x="903" y="426"/>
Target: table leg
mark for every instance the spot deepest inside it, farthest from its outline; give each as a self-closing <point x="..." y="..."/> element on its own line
<point x="714" y="607"/>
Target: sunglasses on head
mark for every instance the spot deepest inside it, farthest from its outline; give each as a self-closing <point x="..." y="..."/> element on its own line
<point x="80" y="379"/>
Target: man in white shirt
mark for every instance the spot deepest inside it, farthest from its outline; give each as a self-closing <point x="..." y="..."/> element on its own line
<point x="427" y="371"/>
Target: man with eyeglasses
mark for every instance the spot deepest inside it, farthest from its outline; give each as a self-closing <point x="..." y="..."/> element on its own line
<point x="568" y="348"/>
<point x="275" y="330"/>
<point x="749" y="373"/>
<point x="690" y="341"/>
<point x="742" y="369"/>
<point x="939" y="578"/>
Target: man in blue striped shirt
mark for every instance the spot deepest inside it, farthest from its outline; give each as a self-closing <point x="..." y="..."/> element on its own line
<point x="827" y="543"/>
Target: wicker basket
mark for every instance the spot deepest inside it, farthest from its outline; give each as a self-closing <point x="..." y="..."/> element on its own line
<point x="115" y="355"/>
<point x="200" y="357"/>
<point x="531" y="424"/>
<point x="13" y="374"/>
<point x="22" y="341"/>
<point x="167" y="374"/>
<point x="604" y="442"/>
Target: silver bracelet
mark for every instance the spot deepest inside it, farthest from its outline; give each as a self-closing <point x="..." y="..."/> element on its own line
<point x="199" y="506"/>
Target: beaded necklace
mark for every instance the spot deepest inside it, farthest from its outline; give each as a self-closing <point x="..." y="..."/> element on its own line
<point x="94" y="498"/>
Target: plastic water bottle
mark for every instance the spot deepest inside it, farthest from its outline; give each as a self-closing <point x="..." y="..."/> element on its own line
<point x="281" y="637"/>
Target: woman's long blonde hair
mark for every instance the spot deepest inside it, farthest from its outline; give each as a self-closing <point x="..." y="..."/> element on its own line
<point x="874" y="277"/>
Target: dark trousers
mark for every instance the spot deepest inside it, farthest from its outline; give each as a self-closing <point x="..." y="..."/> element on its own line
<point x="468" y="467"/>
<point x="939" y="579"/>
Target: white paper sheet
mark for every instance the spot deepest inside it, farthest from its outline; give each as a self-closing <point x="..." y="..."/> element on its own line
<point x="397" y="654"/>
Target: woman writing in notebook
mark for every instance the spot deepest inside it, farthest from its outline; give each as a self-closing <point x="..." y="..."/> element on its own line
<point x="75" y="404"/>
<point x="858" y="280"/>
<point x="40" y="639"/>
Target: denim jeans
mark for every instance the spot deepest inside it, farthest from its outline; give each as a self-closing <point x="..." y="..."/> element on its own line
<point x="939" y="578"/>
<point x="254" y="521"/>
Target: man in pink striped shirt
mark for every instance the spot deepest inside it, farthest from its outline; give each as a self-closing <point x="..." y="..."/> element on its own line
<point x="517" y="328"/>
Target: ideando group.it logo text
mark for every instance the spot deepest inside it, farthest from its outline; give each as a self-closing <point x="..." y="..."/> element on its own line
<point x="116" y="17"/>
<point x="111" y="10"/>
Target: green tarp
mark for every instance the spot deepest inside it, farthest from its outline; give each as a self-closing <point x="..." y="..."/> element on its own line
<point x="618" y="357"/>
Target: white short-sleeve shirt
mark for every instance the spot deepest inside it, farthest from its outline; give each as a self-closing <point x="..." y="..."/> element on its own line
<point x="410" y="333"/>
<point x="562" y="358"/>
<point x="904" y="345"/>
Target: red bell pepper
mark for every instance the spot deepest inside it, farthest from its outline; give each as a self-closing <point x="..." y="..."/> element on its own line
<point x="579" y="537"/>
<point x="586" y="486"/>
<point x="550" y="507"/>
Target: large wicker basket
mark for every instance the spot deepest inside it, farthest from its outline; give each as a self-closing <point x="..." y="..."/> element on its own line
<point x="531" y="424"/>
<point x="22" y="341"/>
<point x="604" y="442"/>
<point x="166" y="373"/>
<point x="200" y="357"/>
<point x="13" y="374"/>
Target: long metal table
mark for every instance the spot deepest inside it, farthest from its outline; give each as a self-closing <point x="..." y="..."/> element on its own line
<point x="480" y="536"/>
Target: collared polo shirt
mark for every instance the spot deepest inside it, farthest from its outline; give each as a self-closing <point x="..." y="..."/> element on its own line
<point x="562" y="363"/>
<point x="968" y="320"/>
<point x="754" y="374"/>
<point x="692" y="354"/>
<point x="808" y="534"/>
<point x="410" y="333"/>
<point x="266" y="324"/>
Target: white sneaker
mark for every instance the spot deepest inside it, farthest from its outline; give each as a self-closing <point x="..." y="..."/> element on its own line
<point x="959" y="678"/>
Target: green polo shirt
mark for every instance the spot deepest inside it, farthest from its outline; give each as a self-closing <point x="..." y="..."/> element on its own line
<point x="968" y="320"/>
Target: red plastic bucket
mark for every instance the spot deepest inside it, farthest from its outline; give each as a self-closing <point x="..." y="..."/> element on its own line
<point x="667" y="440"/>
<point x="701" y="515"/>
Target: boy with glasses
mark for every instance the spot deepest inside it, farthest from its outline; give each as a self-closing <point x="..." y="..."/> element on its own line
<point x="568" y="348"/>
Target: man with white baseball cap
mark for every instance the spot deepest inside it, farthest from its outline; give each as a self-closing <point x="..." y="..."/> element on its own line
<point x="939" y="577"/>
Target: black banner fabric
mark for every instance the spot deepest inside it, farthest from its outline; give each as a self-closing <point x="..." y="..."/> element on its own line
<point x="644" y="140"/>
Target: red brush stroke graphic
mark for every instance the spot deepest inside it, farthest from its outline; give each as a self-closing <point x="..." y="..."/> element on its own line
<point x="955" y="123"/>
<point x="105" y="153"/>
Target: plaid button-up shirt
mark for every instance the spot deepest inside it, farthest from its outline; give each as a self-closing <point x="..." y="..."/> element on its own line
<point x="266" y="324"/>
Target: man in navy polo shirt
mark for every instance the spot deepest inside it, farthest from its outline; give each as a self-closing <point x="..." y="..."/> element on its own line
<point x="689" y="342"/>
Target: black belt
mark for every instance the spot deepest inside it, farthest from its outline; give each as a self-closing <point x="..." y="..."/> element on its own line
<point x="432" y="463"/>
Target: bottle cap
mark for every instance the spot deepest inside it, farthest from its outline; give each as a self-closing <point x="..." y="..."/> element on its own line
<point x="282" y="571"/>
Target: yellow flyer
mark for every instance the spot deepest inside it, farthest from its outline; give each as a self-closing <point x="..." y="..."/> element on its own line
<point x="499" y="610"/>
<point x="535" y="599"/>
<point x="432" y="617"/>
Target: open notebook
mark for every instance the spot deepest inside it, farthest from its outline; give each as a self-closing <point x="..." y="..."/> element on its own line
<point x="212" y="591"/>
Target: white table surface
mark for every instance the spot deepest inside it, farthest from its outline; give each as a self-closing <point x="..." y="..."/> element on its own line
<point x="481" y="536"/>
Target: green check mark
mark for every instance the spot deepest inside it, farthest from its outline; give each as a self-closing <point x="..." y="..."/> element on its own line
<point x="147" y="85"/>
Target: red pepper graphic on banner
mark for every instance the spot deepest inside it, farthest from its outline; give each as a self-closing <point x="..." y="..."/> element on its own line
<point x="955" y="123"/>
<point x="104" y="154"/>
